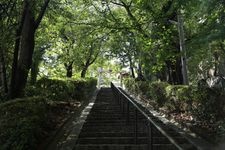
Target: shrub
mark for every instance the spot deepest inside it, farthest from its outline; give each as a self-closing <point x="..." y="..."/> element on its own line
<point x="158" y="93"/>
<point x="180" y="98"/>
<point x="55" y="89"/>
<point x="130" y="84"/>
<point x="83" y="87"/>
<point x="204" y="103"/>
<point x="21" y="123"/>
<point x="209" y="104"/>
<point x="143" y="88"/>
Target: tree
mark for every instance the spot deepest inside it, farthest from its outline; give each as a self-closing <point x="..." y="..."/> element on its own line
<point x="24" y="46"/>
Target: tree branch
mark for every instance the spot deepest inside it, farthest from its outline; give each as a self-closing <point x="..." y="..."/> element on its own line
<point x="102" y="26"/>
<point x="41" y="14"/>
<point x="110" y="12"/>
<point x="119" y="4"/>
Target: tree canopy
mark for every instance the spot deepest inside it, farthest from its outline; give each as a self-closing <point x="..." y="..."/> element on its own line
<point x="156" y="40"/>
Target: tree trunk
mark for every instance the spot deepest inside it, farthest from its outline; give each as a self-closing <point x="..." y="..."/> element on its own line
<point x="3" y="71"/>
<point x="132" y="71"/>
<point x="16" y="52"/>
<point x="69" y="70"/>
<point x="174" y="71"/>
<point x="169" y="72"/>
<point x="24" y="47"/>
<point x="34" y="73"/>
<point x="179" y="72"/>
<point x="216" y="63"/>
<point x="89" y="62"/>
<point x="140" y="74"/>
<point x="83" y="72"/>
<point x="25" y="54"/>
<point x="132" y="68"/>
<point x="182" y="48"/>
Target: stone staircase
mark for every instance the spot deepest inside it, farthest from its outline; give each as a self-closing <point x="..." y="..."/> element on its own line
<point x="106" y="128"/>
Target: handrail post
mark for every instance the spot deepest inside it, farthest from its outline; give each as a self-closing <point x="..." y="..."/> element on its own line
<point x="152" y="124"/>
<point x="150" y="136"/>
<point x="123" y="105"/>
<point x="120" y="101"/>
<point x="128" y="112"/>
<point x="136" y="127"/>
<point x="118" y="97"/>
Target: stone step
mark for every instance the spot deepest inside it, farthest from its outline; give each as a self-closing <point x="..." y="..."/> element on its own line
<point x="111" y="122"/>
<point x="126" y="140"/>
<point x="112" y="140"/>
<point x="111" y="134"/>
<point x="120" y="126"/>
<point x="112" y="117"/>
<point x="123" y="134"/>
<point x="124" y="147"/>
<point x="119" y="120"/>
<point x="112" y="129"/>
<point x="106" y="128"/>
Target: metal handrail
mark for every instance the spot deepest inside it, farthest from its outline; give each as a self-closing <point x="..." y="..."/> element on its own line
<point x="171" y="139"/>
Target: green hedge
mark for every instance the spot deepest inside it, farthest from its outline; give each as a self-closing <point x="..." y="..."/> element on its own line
<point x="24" y="122"/>
<point x="57" y="89"/>
<point x="203" y="103"/>
<point x="210" y="104"/>
<point x="21" y="123"/>
<point x="179" y="98"/>
<point x="157" y="93"/>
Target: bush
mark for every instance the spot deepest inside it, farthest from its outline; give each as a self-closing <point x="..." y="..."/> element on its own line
<point x="55" y="89"/>
<point x="180" y="98"/>
<point x="83" y="88"/>
<point x="25" y="122"/>
<point x="203" y="103"/>
<point x="158" y="93"/>
<point x="144" y="87"/>
<point x="130" y="84"/>
<point x="155" y="91"/>
<point x="209" y="104"/>
<point x="137" y="87"/>
<point x="21" y="123"/>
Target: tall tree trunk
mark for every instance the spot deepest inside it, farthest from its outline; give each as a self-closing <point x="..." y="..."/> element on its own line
<point x="174" y="71"/>
<point x="34" y="72"/>
<point x="16" y="52"/>
<point x="25" y="54"/>
<point x="169" y="72"/>
<point x="179" y="72"/>
<point x="182" y="48"/>
<point x="24" y="47"/>
<point x="221" y="69"/>
<point x="3" y="71"/>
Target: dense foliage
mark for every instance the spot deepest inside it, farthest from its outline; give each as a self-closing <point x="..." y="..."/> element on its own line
<point x="64" y="89"/>
<point x="203" y="105"/>
<point x="179" y="43"/>
<point x="170" y="40"/>
<point x="25" y="122"/>
<point x="22" y="123"/>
